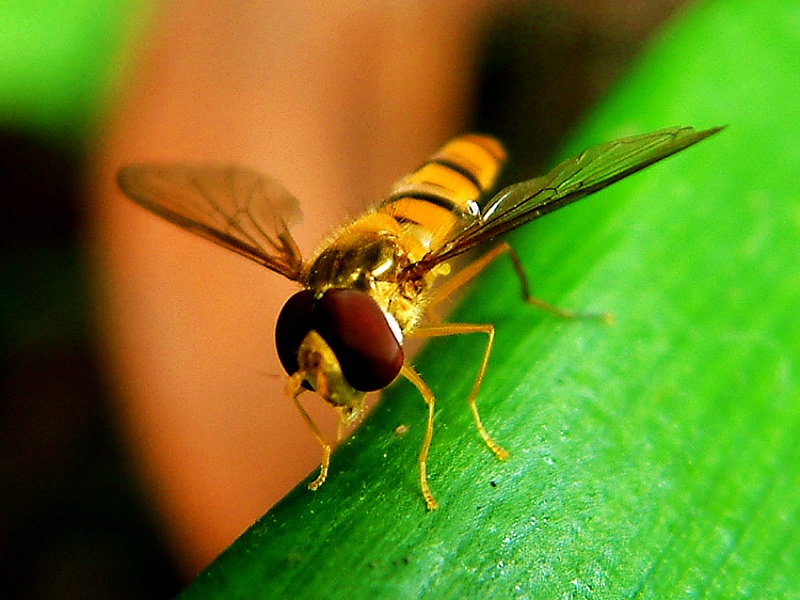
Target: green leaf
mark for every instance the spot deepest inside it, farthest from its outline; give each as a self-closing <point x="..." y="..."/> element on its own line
<point x="656" y="458"/>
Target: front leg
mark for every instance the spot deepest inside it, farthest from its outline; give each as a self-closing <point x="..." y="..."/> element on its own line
<point x="447" y="329"/>
<point x="294" y="388"/>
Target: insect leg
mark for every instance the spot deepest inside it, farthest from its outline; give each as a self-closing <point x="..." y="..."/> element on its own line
<point x="326" y="447"/>
<point x="409" y="373"/>
<point x="475" y="267"/>
<point x="446" y="329"/>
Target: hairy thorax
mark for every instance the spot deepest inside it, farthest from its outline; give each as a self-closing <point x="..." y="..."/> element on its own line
<point x="372" y="255"/>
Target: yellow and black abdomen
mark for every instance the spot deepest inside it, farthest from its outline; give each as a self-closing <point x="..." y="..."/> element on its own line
<point x="441" y="198"/>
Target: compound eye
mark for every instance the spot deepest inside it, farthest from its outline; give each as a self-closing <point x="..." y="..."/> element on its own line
<point x="294" y="323"/>
<point x="357" y="331"/>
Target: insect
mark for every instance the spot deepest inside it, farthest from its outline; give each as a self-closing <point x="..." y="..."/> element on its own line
<point x="370" y="286"/>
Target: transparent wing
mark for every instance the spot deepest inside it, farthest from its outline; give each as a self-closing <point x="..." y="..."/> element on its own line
<point x="237" y="208"/>
<point x="573" y="179"/>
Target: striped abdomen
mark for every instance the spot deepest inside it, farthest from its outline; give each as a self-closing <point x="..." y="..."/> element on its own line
<point x="441" y="198"/>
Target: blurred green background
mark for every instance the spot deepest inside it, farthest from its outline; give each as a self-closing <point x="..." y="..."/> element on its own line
<point x="72" y="519"/>
<point x="58" y="63"/>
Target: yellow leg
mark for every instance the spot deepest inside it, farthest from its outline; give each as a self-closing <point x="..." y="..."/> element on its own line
<point x="409" y="373"/>
<point x="295" y="388"/>
<point x="447" y="329"/>
<point x="474" y="268"/>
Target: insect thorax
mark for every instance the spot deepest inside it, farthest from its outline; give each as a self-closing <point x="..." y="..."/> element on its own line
<point x="371" y="261"/>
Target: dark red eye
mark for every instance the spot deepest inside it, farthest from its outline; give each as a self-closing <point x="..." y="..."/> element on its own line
<point x="357" y="331"/>
<point x="294" y="323"/>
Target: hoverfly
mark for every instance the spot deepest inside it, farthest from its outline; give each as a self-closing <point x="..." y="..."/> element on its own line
<point x="370" y="286"/>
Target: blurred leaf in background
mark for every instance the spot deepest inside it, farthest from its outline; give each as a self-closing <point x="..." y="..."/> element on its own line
<point x="59" y="61"/>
